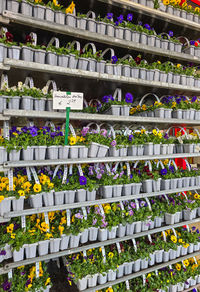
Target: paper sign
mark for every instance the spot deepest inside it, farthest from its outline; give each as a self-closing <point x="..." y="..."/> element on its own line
<point x="63" y="99"/>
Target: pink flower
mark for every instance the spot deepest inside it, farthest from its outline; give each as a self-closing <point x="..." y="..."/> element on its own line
<point x="113" y="143"/>
<point x="104" y="132"/>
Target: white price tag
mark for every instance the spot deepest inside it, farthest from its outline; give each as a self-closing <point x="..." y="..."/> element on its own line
<point x="128" y="169"/>
<point x="35" y="175"/>
<point x="137" y="204"/>
<point x="174" y="231"/>
<point x="6" y="133"/>
<point x="102" y="210"/>
<point x="28" y="173"/>
<point x="121" y="205"/>
<point x="118" y="247"/>
<point x="37" y="269"/>
<point x="183" y="264"/>
<point x="70" y="169"/>
<point x="56" y="170"/>
<point x="68" y="217"/>
<point x="156" y="272"/>
<point x="103" y="254"/>
<point x="148" y="203"/>
<point x="80" y="170"/>
<point x="84" y="253"/>
<point x="10" y="274"/>
<point x="144" y="279"/>
<point x="10" y="178"/>
<point x="164" y="236"/>
<point x="46" y="218"/>
<point x="166" y="198"/>
<point x="188" y="228"/>
<point x="65" y="174"/>
<point x="149" y="237"/>
<point x="23" y="221"/>
<point x="127" y="285"/>
<point x="84" y="212"/>
<point x="107" y="168"/>
<point x="195" y="260"/>
<point x="134" y="244"/>
<point x="63" y="99"/>
<point x="170" y="266"/>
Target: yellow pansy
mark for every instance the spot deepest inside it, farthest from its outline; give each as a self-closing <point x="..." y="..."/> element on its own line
<point x="47" y="281"/>
<point x="21" y="193"/>
<point x="174" y="238"/>
<point x="1" y="198"/>
<point x="166" y="161"/>
<point x="178" y="65"/>
<point x="178" y="267"/>
<point x="155" y="132"/>
<point x="37" y="188"/>
<point x="72" y="141"/>
<point x="186" y="263"/>
<point x="110" y="255"/>
<point x="196" y="196"/>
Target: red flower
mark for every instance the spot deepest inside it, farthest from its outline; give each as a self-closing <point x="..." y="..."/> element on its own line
<point x="181" y="3"/>
<point x="9" y="37"/>
<point x="29" y="39"/>
<point x="138" y="60"/>
<point x="196" y="44"/>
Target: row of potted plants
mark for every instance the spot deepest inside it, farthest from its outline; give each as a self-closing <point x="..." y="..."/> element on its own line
<point x="178" y="107"/>
<point x="51" y="11"/>
<point x="91" y="60"/>
<point x="93" y="181"/>
<point x="126" y="258"/>
<point x="181" y="9"/>
<point x="178" y="277"/>
<point x="33" y="143"/>
<point x="120" y="27"/>
<point x="26" y="278"/>
<point x="69" y="229"/>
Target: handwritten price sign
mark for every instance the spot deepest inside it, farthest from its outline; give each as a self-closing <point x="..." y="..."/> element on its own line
<point x="62" y="100"/>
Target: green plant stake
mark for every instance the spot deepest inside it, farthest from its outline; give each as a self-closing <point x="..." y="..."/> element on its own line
<point x="67" y="125"/>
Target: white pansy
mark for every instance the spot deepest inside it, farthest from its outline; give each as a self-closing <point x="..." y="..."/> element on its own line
<point x="45" y="90"/>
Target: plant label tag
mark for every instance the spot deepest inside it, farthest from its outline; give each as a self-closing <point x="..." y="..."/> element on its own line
<point x="170" y="266"/>
<point x="148" y="203"/>
<point x="164" y="236"/>
<point x="68" y="217"/>
<point x="10" y="178"/>
<point x="103" y="254"/>
<point x="149" y="237"/>
<point x="10" y="274"/>
<point x="35" y="175"/>
<point x="63" y="99"/>
<point x="128" y="169"/>
<point x="195" y="260"/>
<point x="137" y="204"/>
<point x="46" y="218"/>
<point x="84" y="254"/>
<point x="37" y="269"/>
<point x="127" y="285"/>
<point x="107" y="168"/>
<point x="65" y="174"/>
<point x="84" y="212"/>
<point x="166" y="198"/>
<point x="102" y="210"/>
<point x="118" y="247"/>
<point x="156" y="272"/>
<point x="70" y="169"/>
<point x="80" y="170"/>
<point x="6" y="133"/>
<point x="23" y="221"/>
<point x="174" y="231"/>
<point x="121" y="205"/>
<point x="134" y="244"/>
<point x="183" y="264"/>
<point x="144" y="280"/>
<point x="28" y="173"/>
<point x="188" y="228"/>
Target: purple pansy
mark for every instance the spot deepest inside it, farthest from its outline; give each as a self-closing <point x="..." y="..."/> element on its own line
<point x="129" y="97"/>
<point x="130" y="17"/>
<point x="82" y="180"/>
<point x="114" y="59"/>
<point x="163" y="171"/>
<point x="109" y="15"/>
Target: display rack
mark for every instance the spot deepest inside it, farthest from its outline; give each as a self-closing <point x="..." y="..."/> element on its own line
<point x="26" y="68"/>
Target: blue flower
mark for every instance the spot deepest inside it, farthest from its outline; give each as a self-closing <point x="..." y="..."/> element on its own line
<point x="147" y="26"/>
<point x="194" y="99"/>
<point x="33" y="132"/>
<point x="128" y="97"/>
<point x="130" y="137"/>
<point x="82" y="180"/>
<point x="120" y="18"/>
<point x="105" y="98"/>
<point x="171" y="168"/>
<point x="163" y="171"/>
<point x="192" y="43"/>
<point x="109" y="15"/>
<point x="111" y="97"/>
<point x="114" y="59"/>
<point x="130" y="17"/>
<point x="116" y="23"/>
<point x="178" y="100"/>
<point x="131" y="176"/>
<point x="171" y="34"/>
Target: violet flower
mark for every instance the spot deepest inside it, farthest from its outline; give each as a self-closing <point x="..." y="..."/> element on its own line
<point x="79" y="216"/>
<point x="113" y="143"/>
<point x="82" y="180"/>
<point x="109" y="15"/>
<point x="130" y="17"/>
<point x="129" y="97"/>
<point x="114" y="59"/>
<point x="163" y="171"/>
<point x="120" y="18"/>
<point x="171" y="34"/>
